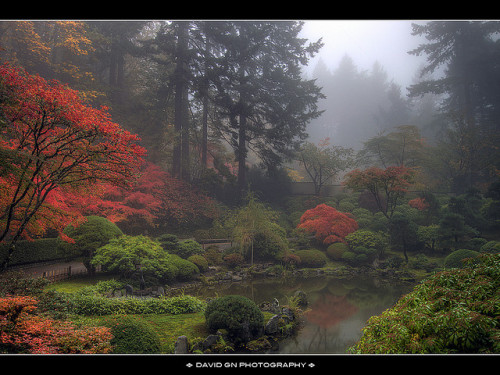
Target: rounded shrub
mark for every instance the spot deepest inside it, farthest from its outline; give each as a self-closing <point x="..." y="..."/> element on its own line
<point x="199" y="261"/>
<point x="238" y="315"/>
<point x="133" y="336"/>
<point x="311" y="258"/>
<point x="454" y="260"/>
<point x="335" y="250"/>
<point x="186" y="270"/>
<point x="92" y="234"/>
<point x="491" y="247"/>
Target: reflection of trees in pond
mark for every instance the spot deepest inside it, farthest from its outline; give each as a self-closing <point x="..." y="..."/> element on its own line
<point x="328" y="310"/>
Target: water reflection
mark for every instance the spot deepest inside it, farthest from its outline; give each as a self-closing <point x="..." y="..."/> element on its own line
<point x="338" y="309"/>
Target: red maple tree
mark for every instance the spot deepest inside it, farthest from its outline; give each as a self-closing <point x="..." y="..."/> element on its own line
<point x="156" y="199"/>
<point x="327" y="224"/>
<point x="53" y="145"/>
<point x="387" y="186"/>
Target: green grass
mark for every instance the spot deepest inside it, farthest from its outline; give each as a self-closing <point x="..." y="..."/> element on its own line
<point x="74" y="284"/>
<point x="168" y="327"/>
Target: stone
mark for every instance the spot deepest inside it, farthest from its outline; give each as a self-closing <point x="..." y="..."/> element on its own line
<point x="181" y="345"/>
<point x="129" y="289"/>
<point x="210" y="341"/>
<point x="272" y="325"/>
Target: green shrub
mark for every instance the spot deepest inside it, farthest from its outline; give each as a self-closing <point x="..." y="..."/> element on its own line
<point x="92" y="303"/>
<point x="92" y="234"/>
<point x="311" y="258"/>
<point x="186" y="270"/>
<point x="133" y="336"/>
<point x="271" y="244"/>
<point x="238" y="315"/>
<point x="454" y="311"/>
<point x="454" y="260"/>
<point x="234" y="259"/>
<point x="199" y="261"/>
<point x="368" y="239"/>
<point x="349" y="257"/>
<point x="124" y="256"/>
<point x="187" y="248"/>
<point x="336" y="250"/>
<point x="213" y="255"/>
<point x="169" y="242"/>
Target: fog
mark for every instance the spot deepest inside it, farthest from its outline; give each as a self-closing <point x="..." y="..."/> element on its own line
<point x="364" y="69"/>
<point x="367" y="42"/>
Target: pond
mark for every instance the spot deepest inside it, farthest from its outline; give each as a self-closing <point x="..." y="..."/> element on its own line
<point x="338" y="308"/>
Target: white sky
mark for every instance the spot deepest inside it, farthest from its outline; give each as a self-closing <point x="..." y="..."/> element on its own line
<point x="367" y="41"/>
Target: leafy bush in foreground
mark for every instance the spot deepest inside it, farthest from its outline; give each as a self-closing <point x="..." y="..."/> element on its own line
<point x="455" y="311"/>
<point x="239" y="315"/>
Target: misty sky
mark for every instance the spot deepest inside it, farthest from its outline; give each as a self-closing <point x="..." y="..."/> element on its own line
<point x="367" y="41"/>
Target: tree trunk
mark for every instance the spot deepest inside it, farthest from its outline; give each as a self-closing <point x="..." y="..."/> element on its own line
<point x="180" y="162"/>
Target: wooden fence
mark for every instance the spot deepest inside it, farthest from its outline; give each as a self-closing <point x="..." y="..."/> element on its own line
<point x="65" y="273"/>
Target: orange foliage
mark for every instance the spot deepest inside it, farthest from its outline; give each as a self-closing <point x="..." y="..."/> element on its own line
<point x="327" y="224"/>
<point x="21" y="331"/>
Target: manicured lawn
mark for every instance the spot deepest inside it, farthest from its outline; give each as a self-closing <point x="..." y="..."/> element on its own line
<point x="74" y="284"/>
<point x="169" y="327"/>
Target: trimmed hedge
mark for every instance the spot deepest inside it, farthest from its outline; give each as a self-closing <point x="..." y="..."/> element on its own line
<point x="42" y="250"/>
<point x="95" y="304"/>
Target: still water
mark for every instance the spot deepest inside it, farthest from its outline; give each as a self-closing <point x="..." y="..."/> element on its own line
<point x="338" y="308"/>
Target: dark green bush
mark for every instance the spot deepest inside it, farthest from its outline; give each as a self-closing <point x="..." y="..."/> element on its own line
<point x="454" y="260"/>
<point x="311" y="258"/>
<point x="133" y="336"/>
<point x="238" y="315"/>
<point x="491" y="247"/>
<point x="41" y="250"/>
<point x="335" y="250"/>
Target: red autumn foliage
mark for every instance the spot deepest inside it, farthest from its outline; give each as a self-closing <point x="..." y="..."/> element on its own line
<point x="387" y="186"/>
<point x="54" y="146"/>
<point x="327" y="224"/>
<point x="22" y="331"/>
<point x="155" y="199"/>
<point x="419" y="203"/>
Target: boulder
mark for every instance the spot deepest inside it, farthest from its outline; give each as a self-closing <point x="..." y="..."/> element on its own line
<point x="181" y="345"/>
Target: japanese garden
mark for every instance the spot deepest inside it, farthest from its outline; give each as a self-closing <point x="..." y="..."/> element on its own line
<point x="218" y="199"/>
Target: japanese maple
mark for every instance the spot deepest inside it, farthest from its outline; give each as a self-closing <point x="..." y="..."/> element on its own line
<point x="387" y="186"/>
<point x="419" y="203"/>
<point x="155" y="199"/>
<point x="53" y="144"/>
<point x="327" y="224"/>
